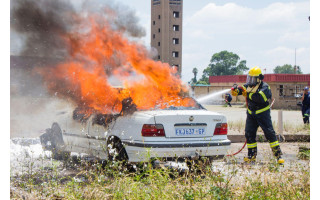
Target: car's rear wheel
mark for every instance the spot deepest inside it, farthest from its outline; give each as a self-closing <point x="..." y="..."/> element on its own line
<point x="115" y="150"/>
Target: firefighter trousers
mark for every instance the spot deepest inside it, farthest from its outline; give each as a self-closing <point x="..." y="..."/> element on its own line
<point x="305" y="114"/>
<point x="264" y="121"/>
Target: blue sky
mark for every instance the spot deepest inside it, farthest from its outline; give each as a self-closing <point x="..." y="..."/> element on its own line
<point x="265" y="33"/>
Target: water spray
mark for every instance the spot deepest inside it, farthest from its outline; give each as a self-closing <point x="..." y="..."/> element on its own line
<point x="211" y="96"/>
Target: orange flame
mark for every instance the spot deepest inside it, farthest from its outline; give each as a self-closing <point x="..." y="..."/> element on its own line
<point x="101" y="52"/>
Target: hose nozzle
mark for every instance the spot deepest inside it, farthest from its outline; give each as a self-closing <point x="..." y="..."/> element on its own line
<point x="235" y="86"/>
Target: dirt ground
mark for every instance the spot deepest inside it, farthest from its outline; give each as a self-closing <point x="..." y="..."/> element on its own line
<point x="290" y="151"/>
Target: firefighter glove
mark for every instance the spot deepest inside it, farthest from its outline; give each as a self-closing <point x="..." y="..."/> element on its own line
<point x="234" y="91"/>
<point x="243" y="91"/>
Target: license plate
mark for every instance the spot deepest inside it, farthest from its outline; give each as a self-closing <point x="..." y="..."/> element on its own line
<point x="189" y="131"/>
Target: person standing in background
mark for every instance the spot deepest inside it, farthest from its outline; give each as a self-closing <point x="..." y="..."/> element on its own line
<point x="306" y="105"/>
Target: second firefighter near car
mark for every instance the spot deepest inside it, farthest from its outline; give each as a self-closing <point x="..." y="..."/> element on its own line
<point x="258" y="95"/>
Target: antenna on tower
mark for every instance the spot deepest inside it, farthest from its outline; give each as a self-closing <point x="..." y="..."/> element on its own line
<point x="295" y="60"/>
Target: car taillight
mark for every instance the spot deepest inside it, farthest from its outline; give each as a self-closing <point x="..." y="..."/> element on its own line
<point x="221" y="129"/>
<point x="152" y="130"/>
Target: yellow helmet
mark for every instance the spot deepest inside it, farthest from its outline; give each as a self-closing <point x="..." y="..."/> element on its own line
<point x="255" y="71"/>
<point x="254" y="76"/>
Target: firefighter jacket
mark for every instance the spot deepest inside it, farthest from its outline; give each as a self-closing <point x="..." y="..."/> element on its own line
<point x="258" y="101"/>
<point x="306" y="101"/>
<point x="228" y="97"/>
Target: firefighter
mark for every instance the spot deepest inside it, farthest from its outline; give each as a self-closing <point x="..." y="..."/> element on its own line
<point x="257" y="94"/>
<point x="306" y="105"/>
<point x="228" y="98"/>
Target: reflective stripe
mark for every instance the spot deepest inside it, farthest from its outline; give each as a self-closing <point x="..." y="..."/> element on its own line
<point x="263" y="95"/>
<point x="306" y="115"/>
<point x="252" y="145"/>
<point x="262" y="110"/>
<point x="259" y="111"/>
<point x="250" y="94"/>
<point x="273" y="144"/>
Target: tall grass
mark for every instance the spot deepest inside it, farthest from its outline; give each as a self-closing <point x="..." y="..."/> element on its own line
<point x="113" y="181"/>
<point x="288" y="128"/>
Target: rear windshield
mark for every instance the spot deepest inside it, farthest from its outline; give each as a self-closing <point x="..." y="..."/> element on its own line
<point x="194" y="105"/>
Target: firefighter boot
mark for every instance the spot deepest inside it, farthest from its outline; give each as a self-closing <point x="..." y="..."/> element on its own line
<point x="277" y="153"/>
<point x="252" y="155"/>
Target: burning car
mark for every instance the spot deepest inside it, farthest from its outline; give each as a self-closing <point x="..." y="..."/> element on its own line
<point x="139" y="135"/>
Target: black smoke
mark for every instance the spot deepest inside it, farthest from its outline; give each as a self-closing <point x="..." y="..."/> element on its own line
<point x="42" y="23"/>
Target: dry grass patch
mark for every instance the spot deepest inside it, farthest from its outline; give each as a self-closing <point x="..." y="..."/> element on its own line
<point x="232" y="180"/>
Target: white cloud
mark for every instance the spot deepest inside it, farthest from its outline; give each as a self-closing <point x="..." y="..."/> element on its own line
<point x="264" y="37"/>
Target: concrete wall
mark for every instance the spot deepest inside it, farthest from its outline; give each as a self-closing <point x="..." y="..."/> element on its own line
<point x="285" y="98"/>
<point x="200" y="91"/>
<point x="284" y="93"/>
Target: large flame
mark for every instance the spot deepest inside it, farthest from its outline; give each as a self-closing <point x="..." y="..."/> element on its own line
<point x="98" y="52"/>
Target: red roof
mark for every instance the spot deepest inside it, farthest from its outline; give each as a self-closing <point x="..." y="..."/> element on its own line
<point x="267" y="78"/>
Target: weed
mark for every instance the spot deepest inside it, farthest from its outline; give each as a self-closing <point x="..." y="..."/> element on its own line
<point x="113" y="180"/>
<point x="304" y="153"/>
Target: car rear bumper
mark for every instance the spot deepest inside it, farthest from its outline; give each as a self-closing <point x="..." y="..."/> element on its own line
<point x="141" y="152"/>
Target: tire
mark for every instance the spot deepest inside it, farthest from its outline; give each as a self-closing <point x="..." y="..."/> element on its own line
<point x="115" y="150"/>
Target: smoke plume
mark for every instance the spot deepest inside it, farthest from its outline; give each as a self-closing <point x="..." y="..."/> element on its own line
<point x="92" y="46"/>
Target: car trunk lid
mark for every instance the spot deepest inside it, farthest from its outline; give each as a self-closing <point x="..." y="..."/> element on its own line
<point x="188" y="123"/>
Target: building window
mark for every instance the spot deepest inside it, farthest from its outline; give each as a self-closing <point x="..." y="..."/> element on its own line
<point x="175" y="54"/>
<point x="154" y="22"/>
<point x="159" y="30"/>
<point x="176" y="14"/>
<point x="159" y="57"/>
<point x="159" y="17"/>
<point x="281" y="91"/>
<point x="175" y="27"/>
<point x="176" y="67"/>
<point x="154" y="36"/>
<point x="159" y="44"/>
<point x="175" y="40"/>
<point x="156" y="2"/>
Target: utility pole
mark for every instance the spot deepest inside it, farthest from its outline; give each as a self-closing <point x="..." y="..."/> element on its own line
<point x="295" y="57"/>
<point x="295" y="60"/>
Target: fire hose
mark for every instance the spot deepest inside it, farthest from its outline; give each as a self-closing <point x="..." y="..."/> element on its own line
<point x="239" y="150"/>
<point x="235" y="86"/>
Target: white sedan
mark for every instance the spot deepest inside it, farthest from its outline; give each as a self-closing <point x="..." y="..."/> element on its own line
<point x="174" y="132"/>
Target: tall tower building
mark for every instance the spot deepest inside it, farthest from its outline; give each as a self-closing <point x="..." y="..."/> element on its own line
<point x="166" y="31"/>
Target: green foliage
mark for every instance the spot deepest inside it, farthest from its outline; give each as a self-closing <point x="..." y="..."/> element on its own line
<point x="194" y="79"/>
<point x="202" y="82"/>
<point x="304" y="153"/>
<point x="287" y="69"/>
<point x="224" y="63"/>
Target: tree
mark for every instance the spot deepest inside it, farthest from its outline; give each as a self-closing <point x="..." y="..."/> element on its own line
<point x="195" y="72"/>
<point x="224" y="63"/>
<point x="287" y="69"/>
